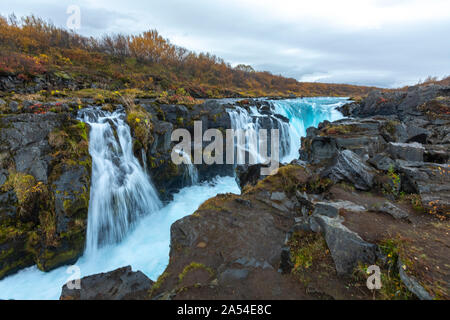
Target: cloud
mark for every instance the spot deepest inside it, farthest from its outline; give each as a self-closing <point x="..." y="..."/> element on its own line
<point x="373" y="42"/>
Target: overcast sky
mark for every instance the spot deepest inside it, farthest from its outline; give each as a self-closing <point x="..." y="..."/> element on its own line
<point x="385" y="43"/>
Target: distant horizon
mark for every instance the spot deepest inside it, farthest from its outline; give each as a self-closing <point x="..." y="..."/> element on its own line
<point x="369" y="43"/>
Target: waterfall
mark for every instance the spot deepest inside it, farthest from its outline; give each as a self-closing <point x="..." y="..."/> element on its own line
<point x="191" y="172"/>
<point x="302" y="113"/>
<point x="241" y="119"/>
<point x="121" y="191"/>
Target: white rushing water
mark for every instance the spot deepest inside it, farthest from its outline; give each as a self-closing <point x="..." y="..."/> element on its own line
<point x="250" y="121"/>
<point x="191" y="172"/>
<point x="302" y="114"/>
<point x="121" y="191"/>
<point x="146" y="248"/>
<point x="126" y="224"/>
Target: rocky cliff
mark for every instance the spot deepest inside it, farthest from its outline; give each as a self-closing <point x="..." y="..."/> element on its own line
<point x="371" y="190"/>
<point x="45" y="168"/>
<point x="45" y="179"/>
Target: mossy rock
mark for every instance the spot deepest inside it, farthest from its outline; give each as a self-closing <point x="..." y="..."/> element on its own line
<point x="140" y="122"/>
<point x="47" y="222"/>
<point x="14" y="255"/>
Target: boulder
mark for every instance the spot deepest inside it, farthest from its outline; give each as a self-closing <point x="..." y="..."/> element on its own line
<point x="382" y="162"/>
<point x="437" y="153"/>
<point x="120" y="284"/>
<point x="363" y="145"/>
<point x="44" y="182"/>
<point x="233" y="274"/>
<point x="400" y="104"/>
<point x="417" y="134"/>
<point x="406" y="151"/>
<point x="346" y="247"/>
<point x="391" y="209"/>
<point x="349" y="167"/>
<point x="430" y="180"/>
<point x="331" y="208"/>
<point x="326" y="209"/>
<point x="412" y="284"/>
<point x="162" y="131"/>
<point x="248" y="174"/>
<point x="318" y="149"/>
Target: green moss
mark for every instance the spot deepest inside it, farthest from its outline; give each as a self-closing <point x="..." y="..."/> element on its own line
<point x="394" y="182"/>
<point x="82" y="130"/>
<point x="6" y="253"/>
<point x="71" y="144"/>
<point x="194" y="266"/>
<point x="170" y="171"/>
<point x="392" y="287"/>
<point x="339" y="129"/>
<point x="47" y="223"/>
<point x="11" y="229"/>
<point x="287" y="178"/>
<point x="63" y="75"/>
<point x="17" y="264"/>
<point x="99" y="95"/>
<point x="307" y="249"/>
<point x="414" y="199"/>
<point x="391" y="126"/>
<point x="160" y="113"/>
<point x="14" y="256"/>
<point x="21" y="183"/>
<point x="157" y="285"/>
<point x="318" y="185"/>
<point x="67" y="204"/>
<point x="49" y="260"/>
<point x="140" y="122"/>
<point x="53" y="256"/>
<point x="215" y="204"/>
<point x="28" y="192"/>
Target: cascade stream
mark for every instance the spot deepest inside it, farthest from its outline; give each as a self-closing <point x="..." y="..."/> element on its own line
<point x="127" y="224"/>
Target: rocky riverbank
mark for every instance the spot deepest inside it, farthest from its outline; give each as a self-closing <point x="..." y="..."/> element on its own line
<point x="371" y="190"/>
<point x="45" y="167"/>
<point x="45" y="179"/>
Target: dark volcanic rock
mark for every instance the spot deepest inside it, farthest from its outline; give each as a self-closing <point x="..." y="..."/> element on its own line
<point x="406" y="151"/>
<point x="347" y="248"/>
<point x="430" y="180"/>
<point x="412" y="284"/>
<point x="321" y="148"/>
<point x="402" y="104"/>
<point x="212" y="114"/>
<point x="25" y="136"/>
<point x="349" y="167"/>
<point x="248" y="174"/>
<point x="382" y="162"/>
<point x="44" y="197"/>
<point x="120" y="284"/>
<point x="307" y="201"/>
<point x="391" y="209"/>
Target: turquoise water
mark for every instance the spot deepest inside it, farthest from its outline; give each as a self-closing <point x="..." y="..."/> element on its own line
<point x="304" y="113"/>
<point x="146" y="247"/>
